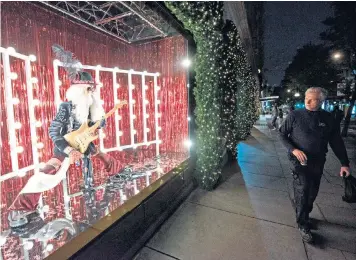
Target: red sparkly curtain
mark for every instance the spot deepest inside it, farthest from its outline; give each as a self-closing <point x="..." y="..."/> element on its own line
<point x="33" y="30"/>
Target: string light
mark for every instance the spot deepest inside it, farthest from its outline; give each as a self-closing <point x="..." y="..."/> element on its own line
<point x="35" y="102"/>
<point x="15" y="101"/>
<point x="18" y="125"/>
<point x="32" y="58"/>
<point x="34" y="80"/>
<point x="40" y="145"/>
<point x="21" y="173"/>
<point x="19" y="149"/>
<point x="11" y="50"/>
<point x="38" y="124"/>
<point x="13" y="75"/>
<point x="205" y="20"/>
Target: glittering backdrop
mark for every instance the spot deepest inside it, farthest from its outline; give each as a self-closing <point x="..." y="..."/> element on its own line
<point x="34" y="31"/>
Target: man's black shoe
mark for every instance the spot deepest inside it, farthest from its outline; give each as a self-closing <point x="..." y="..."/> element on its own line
<point x="306" y="235"/>
<point x="312" y="224"/>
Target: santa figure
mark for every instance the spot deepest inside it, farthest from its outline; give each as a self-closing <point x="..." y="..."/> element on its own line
<point x="83" y="105"/>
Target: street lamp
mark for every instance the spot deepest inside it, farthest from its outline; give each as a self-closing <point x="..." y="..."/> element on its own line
<point x="288" y="90"/>
<point x="337" y="55"/>
<point x="297" y="94"/>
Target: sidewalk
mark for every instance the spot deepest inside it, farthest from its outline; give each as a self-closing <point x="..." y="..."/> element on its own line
<point x="250" y="215"/>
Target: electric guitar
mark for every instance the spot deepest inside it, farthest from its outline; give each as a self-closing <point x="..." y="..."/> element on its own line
<point x="81" y="138"/>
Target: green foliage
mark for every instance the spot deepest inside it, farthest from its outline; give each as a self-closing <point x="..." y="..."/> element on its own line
<point x="204" y="20"/>
<point x="341" y="31"/>
<point x="226" y="93"/>
<point x="239" y="89"/>
<point x="311" y="67"/>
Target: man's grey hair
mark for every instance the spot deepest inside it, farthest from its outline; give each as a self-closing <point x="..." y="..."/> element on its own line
<point x="323" y="92"/>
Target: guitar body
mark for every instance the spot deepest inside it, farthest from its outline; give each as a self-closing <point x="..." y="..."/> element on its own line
<point x="82" y="137"/>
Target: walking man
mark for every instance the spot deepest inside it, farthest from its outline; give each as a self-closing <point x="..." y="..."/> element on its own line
<point x="338" y="115"/>
<point x="306" y="134"/>
<point x="274" y="116"/>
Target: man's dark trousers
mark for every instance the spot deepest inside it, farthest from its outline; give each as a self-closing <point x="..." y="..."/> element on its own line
<point x="306" y="187"/>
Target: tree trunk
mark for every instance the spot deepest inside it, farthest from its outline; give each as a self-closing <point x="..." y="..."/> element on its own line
<point x="348" y="116"/>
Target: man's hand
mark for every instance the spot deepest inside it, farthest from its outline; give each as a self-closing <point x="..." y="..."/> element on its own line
<point x="345" y="170"/>
<point x="74" y="156"/>
<point x="300" y="155"/>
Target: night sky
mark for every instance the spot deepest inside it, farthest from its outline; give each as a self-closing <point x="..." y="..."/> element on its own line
<point x="289" y="25"/>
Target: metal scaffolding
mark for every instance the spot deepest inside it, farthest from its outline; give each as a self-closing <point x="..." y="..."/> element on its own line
<point x="125" y="20"/>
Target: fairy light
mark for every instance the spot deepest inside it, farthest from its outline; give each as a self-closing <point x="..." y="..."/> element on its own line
<point x="19" y="149"/>
<point x="35" y="102"/>
<point x="213" y="71"/>
<point x="11" y="50"/>
<point x="38" y="124"/>
<point x="15" y="101"/>
<point x="21" y="173"/>
<point x="40" y="145"/>
<point x="13" y="75"/>
<point x="32" y="58"/>
<point x="17" y="125"/>
<point x="34" y="80"/>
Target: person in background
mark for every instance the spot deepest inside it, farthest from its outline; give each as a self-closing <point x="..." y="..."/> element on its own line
<point x="338" y="115"/>
<point x="274" y="116"/>
<point x="306" y="134"/>
<point x="280" y="115"/>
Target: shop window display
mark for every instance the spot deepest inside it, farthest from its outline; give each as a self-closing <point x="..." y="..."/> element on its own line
<point x="140" y="142"/>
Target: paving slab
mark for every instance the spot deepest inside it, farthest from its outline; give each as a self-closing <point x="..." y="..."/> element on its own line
<point x="196" y="232"/>
<point x="149" y="254"/>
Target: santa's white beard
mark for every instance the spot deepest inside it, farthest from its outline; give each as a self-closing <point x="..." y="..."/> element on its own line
<point x="84" y="102"/>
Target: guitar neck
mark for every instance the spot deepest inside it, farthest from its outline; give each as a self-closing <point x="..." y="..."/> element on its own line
<point x="112" y="111"/>
<point x="107" y="115"/>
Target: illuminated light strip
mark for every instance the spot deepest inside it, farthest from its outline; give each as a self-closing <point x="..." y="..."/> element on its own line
<point x="10" y="110"/>
<point x="57" y="95"/>
<point x="15" y="173"/>
<point x="156" y="112"/>
<point x="97" y="80"/>
<point x="144" y="113"/>
<point x="116" y="100"/>
<point x="31" y="112"/>
<point x="132" y="133"/>
<point x="133" y="72"/>
<point x="116" y="70"/>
